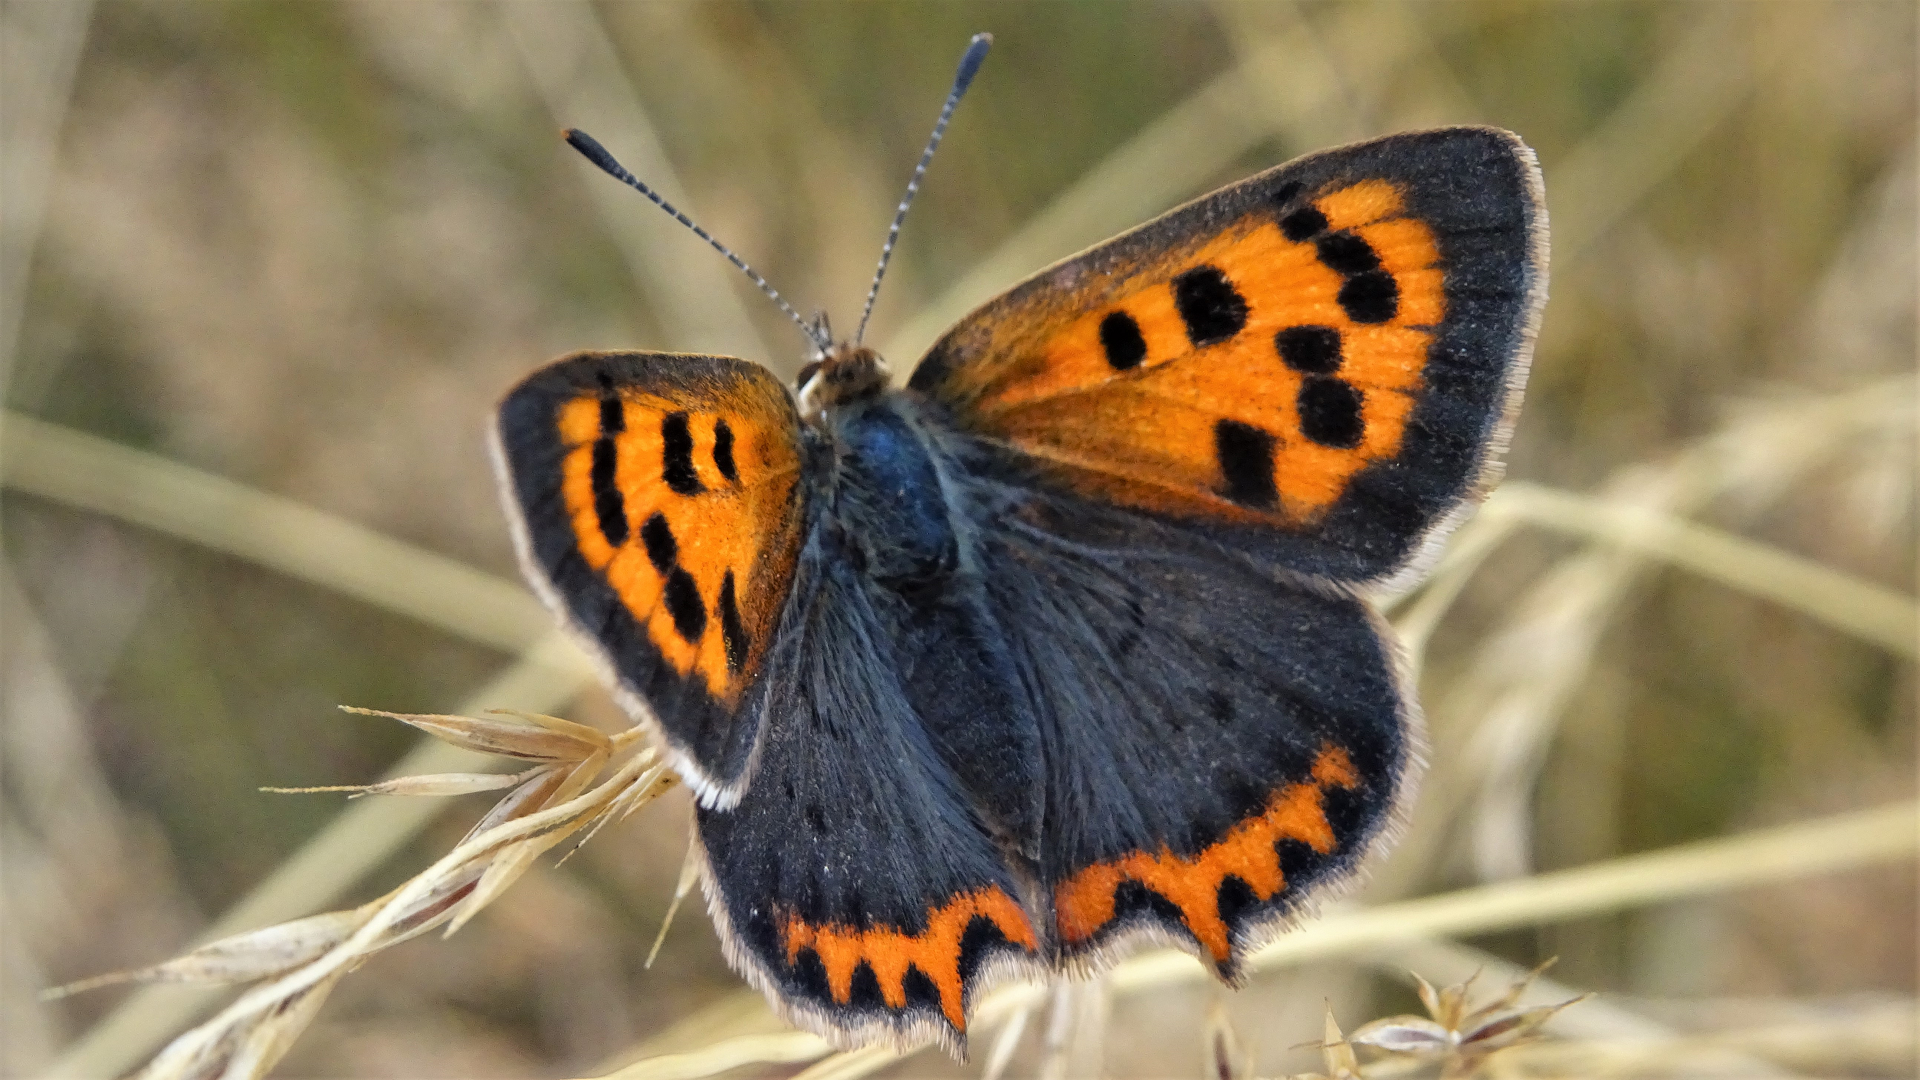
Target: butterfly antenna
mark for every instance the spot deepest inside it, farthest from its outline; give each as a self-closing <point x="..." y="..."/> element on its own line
<point x="594" y="152"/>
<point x="969" y="66"/>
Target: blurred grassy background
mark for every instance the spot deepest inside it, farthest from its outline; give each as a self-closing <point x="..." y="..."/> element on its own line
<point x="305" y="246"/>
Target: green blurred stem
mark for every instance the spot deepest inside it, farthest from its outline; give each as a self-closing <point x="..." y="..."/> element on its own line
<point x="1846" y="603"/>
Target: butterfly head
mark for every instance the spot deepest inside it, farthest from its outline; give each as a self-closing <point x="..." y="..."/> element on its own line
<point x="845" y="372"/>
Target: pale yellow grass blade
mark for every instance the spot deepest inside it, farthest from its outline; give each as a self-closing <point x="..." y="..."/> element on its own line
<point x="851" y="1064"/>
<point x="240" y="958"/>
<point x="1495" y="721"/>
<point x="509" y="864"/>
<point x="689" y="875"/>
<point x="1863" y="609"/>
<point x="1004" y="1044"/>
<point x="1597" y="1018"/>
<point x="1846" y="1039"/>
<point x="781" y="1048"/>
<point x="508" y="738"/>
<point x="434" y="785"/>
<point x="91" y="473"/>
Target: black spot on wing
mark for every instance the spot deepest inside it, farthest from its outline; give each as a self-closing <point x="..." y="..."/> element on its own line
<point x="1330" y="412"/>
<point x="723" y="451"/>
<point x="1133" y="898"/>
<point x="811" y="974"/>
<point x="676" y="455"/>
<point x="1303" y="223"/>
<point x="657" y="535"/>
<point x="1246" y="461"/>
<point x="920" y="990"/>
<point x="733" y="632"/>
<point x="1300" y="865"/>
<point x="1120" y="337"/>
<point x="608" y="504"/>
<point x="1310" y="350"/>
<point x="613" y="416"/>
<point x="866" y="989"/>
<point x="1233" y="899"/>
<point x="1348" y="812"/>
<point x="683" y="603"/>
<point x="1209" y="304"/>
<point x="1368" y="294"/>
<point x="1371" y="297"/>
<point x="1346" y="254"/>
<point x="981" y="936"/>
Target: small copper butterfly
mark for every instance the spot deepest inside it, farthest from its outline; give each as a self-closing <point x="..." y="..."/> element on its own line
<point x="1064" y="643"/>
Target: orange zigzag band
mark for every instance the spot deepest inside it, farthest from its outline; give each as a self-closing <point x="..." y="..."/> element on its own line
<point x="1084" y="903"/>
<point x="935" y="951"/>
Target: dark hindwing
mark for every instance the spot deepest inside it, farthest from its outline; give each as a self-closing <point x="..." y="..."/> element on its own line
<point x="1321" y="362"/>
<point x="1221" y="746"/>
<point x="855" y="879"/>
<point x="658" y="508"/>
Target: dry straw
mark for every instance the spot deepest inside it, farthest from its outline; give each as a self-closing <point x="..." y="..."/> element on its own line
<point x="304" y="959"/>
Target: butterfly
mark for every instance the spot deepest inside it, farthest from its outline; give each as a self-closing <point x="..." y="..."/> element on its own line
<point x="1064" y="643"/>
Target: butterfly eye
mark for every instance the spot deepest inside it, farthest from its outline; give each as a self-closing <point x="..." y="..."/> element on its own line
<point x="806" y="375"/>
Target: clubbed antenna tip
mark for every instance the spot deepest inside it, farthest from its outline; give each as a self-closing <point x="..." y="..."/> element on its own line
<point x="976" y="52"/>
<point x="592" y="150"/>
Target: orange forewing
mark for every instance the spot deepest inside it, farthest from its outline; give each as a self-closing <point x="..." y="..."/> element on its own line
<point x="1084" y="904"/>
<point x="1147" y="435"/>
<point x="740" y="526"/>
